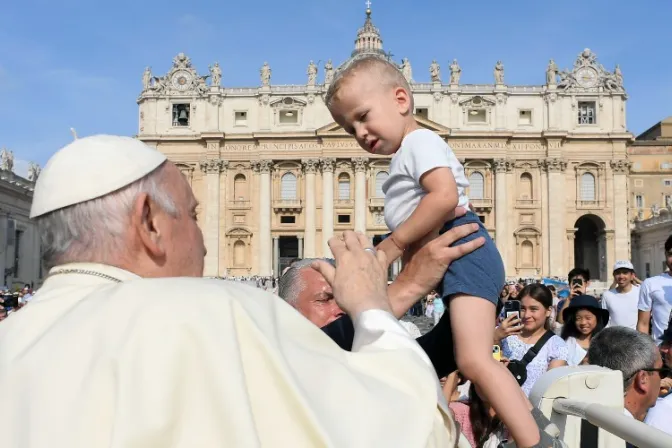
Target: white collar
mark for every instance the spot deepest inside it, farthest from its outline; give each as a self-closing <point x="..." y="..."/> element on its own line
<point x="96" y="272"/>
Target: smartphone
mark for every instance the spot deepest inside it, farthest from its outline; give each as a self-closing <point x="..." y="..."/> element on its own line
<point x="497" y="352"/>
<point x="577" y="281"/>
<point x="512" y="307"/>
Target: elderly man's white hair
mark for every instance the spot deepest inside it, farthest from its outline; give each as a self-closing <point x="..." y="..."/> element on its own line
<point x="290" y="284"/>
<point x="91" y="231"/>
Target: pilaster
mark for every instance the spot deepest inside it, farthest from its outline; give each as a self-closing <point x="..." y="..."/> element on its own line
<point x="555" y="173"/>
<point x="360" y="164"/>
<point x="310" y="167"/>
<point x="212" y="169"/>
<point x="264" y="167"/>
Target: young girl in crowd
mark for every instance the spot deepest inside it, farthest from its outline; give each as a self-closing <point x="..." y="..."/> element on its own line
<point x="584" y="318"/>
<point x="536" y="302"/>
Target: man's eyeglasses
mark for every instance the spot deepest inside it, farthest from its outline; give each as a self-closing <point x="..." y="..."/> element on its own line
<point x="664" y="372"/>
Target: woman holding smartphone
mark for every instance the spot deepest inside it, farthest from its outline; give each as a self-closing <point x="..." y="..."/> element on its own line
<point x="521" y="335"/>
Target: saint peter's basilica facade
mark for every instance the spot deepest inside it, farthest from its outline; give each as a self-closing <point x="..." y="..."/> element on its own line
<point x="276" y="177"/>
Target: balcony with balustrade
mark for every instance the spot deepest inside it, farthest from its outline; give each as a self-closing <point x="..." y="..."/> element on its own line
<point x="582" y="204"/>
<point x="376" y="204"/>
<point x="287" y="205"/>
<point x="482" y="205"/>
<point x="240" y="204"/>
<point x="344" y="203"/>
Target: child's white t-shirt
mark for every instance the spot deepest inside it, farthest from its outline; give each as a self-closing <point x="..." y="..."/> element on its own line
<point x="421" y="151"/>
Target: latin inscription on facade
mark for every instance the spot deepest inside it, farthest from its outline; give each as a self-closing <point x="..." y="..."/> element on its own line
<point x="347" y="144"/>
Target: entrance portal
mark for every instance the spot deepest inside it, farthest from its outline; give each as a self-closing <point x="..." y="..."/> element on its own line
<point x="288" y="250"/>
<point x="590" y="246"/>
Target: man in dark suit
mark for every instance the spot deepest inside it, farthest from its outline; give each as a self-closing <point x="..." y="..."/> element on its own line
<point x="306" y="289"/>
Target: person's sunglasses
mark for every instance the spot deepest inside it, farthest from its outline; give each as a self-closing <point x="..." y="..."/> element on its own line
<point x="664" y="372"/>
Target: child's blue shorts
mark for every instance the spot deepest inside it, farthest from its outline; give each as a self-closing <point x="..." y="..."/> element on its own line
<point x="480" y="273"/>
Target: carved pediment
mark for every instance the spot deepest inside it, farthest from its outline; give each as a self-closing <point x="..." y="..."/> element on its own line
<point x="288" y="102"/>
<point x="527" y="231"/>
<point x="239" y="232"/>
<point x="477" y="102"/>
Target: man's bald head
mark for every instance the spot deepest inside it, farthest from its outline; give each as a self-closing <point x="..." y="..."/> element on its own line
<point x="385" y="74"/>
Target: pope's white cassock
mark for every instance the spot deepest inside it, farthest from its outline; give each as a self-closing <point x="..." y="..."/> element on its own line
<point x="103" y="358"/>
<point x="145" y="363"/>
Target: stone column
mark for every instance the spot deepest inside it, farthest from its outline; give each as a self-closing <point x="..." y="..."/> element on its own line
<point x="360" y="164"/>
<point x="310" y="167"/>
<point x="327" y="204"/>
<point x="300" y="239"/>
<point x="501" y="208"/>
<point x="212" y="169"/>
<point x="555" y="168"/>
<point x="620" y="169"/>
<point x="263" y="167"/>
<point x="276" y="256"/>
<point x="571" y="235"/>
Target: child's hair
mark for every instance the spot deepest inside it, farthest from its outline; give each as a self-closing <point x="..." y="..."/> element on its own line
<point x="482" y="424"/>
<point x="386" y="73"/>
<point x="570" y="330"/>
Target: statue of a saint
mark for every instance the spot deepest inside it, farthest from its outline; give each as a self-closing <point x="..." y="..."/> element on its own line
<point x="33" y="171"/>
<point x="455" y="72"/>
<point x="618" y="76"/>
<point x="265" y="74"/>
<point x="147" y="79"/>
<point x="435" y="71"/>
<point x="499" y="73"/>
<point x="328" y="72"/>
<point x="215" y="75"/>
<point x="6" y="160"/>
<point x="312" y="73"/>
<point x="202" y="86"/>
<point x="406" y="70"/>
<point x="551" y="73"/>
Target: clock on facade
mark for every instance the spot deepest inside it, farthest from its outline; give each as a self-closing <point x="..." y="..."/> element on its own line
<point x="181" y="80"/>
<point x="586" y="77"/>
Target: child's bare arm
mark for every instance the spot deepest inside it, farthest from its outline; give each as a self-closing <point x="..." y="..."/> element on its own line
<point x="433" y="210"/>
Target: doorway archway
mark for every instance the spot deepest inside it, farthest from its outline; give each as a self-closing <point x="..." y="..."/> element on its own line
<point x="590" y="246"/>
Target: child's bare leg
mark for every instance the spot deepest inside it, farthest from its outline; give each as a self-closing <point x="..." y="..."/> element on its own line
<point x="473" y="323"/>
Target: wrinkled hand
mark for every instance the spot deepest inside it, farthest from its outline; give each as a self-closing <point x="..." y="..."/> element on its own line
<point x="510" y="325"/>
<point x="665" y="386"/>
<point x="359" y="281"/>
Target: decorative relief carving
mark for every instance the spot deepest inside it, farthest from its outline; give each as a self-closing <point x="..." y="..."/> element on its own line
<point x="454" y="97"/>
<point x="265" y="99"/>
<point x="263" y="166"/>
<point x="360" y="164"/>
<point x="503" y="165"/>
<point x="501" y="98"/>
<point x="328" y="165"/>
<point x="554" y="165"/>
<point x="310" y="165"/>
<point x="213" y="166"/>
<point x="621" y="166"/>
<point x="551" y="97"/>
<point x="379" y="219"/>
<point x="311" y="98"/>
<point x="438" y="96"/>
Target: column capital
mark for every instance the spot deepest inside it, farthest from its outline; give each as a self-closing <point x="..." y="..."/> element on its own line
<point x="621" y="166"/>
<point x="213" y="166"/>
<point x="554" y="165"/>
<point x="328" y="165"/>
<point x="360" y="163"/>
<point x="262" y="166"/>
<point x="310" y="166"/>
<point x="502" y="165"/>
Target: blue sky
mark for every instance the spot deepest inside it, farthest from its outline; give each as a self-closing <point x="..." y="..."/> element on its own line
<point x="71" y="63"/>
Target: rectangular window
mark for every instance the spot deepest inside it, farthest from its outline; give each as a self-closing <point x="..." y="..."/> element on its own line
<point x="587" y="112"/>
<point x="240" y="118"/>
<point x="639" y="201"/>
<point x="482" y="218"/>
<point x="289" y="117"/>
<point x="478" y="116"/>
<point x="181" y="113"/>
<point x="422" y="112"/>
<point x="344" y="219"/>
<point x="648" y="270"/>
<point x="667" y="182"/>
<point x="287" y="219"/>
<point x="665" y="166"/>
<point x="525" y="117"/>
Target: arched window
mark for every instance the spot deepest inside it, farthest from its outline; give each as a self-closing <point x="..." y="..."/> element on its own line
<point x="527" y="253"/>
<point x="239" y="188"/>
<point x="343" y="186"/>
<point x="587" y="187"/>
<point x="288" y="186"/>
<point x="476" y="185"/>
<point x="381" y="177"/>
<point x="526" y="186"/>
<point x="239" y="253"/>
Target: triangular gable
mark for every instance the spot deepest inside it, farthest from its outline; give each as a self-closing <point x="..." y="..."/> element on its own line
<point x="336" y="130"/>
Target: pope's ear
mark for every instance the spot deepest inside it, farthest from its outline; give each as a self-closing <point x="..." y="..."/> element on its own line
<point x="145" y="222"/>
